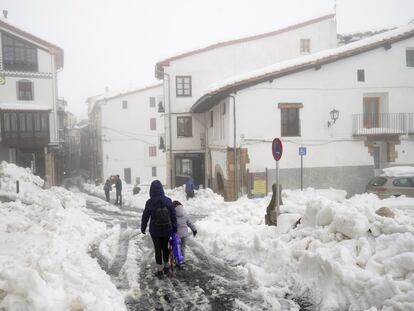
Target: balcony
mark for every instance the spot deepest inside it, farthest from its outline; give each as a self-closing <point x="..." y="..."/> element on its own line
<point x="383" y="124"/>
<point x="25" y="129"/>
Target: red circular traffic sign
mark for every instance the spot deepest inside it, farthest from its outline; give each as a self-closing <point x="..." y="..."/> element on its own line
<point x="277" y="149"/>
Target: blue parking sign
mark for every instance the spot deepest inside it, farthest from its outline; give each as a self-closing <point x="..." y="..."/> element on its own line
<point x="302" y="151"/>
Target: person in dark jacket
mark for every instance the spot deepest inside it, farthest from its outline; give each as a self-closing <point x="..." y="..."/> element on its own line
<point x="189" y="187"/>
<point x="107" y="188"/>
<point x="158" y="204"/>
<point x="118" y="187"/>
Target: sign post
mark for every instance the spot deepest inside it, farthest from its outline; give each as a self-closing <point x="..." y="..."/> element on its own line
<point x="277" y="150"/>
<point x="302" y="152"/>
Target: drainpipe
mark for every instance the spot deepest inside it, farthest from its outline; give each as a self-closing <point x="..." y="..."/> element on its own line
<point x="169" y="129"/>
<point x="55" y="98"/>
<point x="236" y="183"/>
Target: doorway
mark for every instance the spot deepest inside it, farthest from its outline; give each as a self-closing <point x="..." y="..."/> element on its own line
<point x="187" y="164"/>
<point x="371" y="111"/>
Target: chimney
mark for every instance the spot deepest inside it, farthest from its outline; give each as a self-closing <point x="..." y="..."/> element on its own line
<point x="5" y="12"/>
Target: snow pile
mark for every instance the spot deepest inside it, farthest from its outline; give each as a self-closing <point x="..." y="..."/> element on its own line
<point x="108" y="248"/>
<point x="398" y="171"/>
<point x="295" y="202"/>
<point x="204" y="202"/>
<point x="342" y="256"/>
<point x="44" y="238"/>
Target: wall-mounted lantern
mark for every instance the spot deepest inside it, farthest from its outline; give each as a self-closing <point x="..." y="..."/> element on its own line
<point x="334" y="116"/>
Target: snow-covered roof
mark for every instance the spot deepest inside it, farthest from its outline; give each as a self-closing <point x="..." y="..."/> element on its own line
<point x="19" y="106"/>
<point x="398" y="171"/>
<point x="110" y="95"/>
<point x="224" y="87"/>
<point x="346" y="38"/>
<point x="166" y="62"/>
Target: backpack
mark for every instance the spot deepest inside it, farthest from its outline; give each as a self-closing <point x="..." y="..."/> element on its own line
<point x="162" y="218"/>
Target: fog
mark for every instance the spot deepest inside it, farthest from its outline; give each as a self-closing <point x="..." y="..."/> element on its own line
<point x="116" y="44"/>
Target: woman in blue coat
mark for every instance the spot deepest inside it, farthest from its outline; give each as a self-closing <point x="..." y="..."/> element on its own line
<point x="163" y="222"/>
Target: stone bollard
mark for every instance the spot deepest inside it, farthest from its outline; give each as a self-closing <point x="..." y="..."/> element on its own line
<point x="271" y="212"/>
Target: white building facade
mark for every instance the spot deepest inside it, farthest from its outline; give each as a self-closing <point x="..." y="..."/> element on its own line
<point x="370" y="83"/>
<point x="129" y="130"/>
<point x="186" y="77"/>
<point x="29" y="100"/>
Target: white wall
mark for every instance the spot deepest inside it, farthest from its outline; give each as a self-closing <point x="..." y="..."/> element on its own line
<point x="126" y="136"/>
<point x="43" y="84"/>
<point x="217" y="64"/>
<point x="333" y="86"/>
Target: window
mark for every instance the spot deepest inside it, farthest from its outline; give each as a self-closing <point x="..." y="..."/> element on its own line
<point x="10" y="121"/>
<point x="124" y="104"/>
<point x="127" y="175"/>
<point x="152" y="101"/>
<point x="211" y="118"/>
<point x="23" y="121"/>
<point x="18" y="54"/>
<point x="183" y="167"/>
<point x="24" y="90"/>
<point x="403" y="182"/>
<point x="152" y="151"/>
<point x="361" y="75"/>
<point x="154" y="171"/>
<point x="184" y="127"/>
<point x="409" y="54"/>
<point x="371" y="109"/>
<point x="153" y="124"/>
<point x="378" y="181"/>
<point x="36" y="117"/>
<point x="183" y="86"/>
<point x="304" y="46"/>
<point x="290" y="122"/>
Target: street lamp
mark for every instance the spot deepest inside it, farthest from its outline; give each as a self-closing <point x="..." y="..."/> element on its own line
<point x="334" y="116"/>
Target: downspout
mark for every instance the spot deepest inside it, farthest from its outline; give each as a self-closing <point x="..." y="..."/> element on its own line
<point x="55" y="99"/>
<point x="169" y="130"/>
<point x="236" y="190"/>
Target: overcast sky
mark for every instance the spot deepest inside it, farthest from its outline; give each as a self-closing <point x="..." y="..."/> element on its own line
<point x="116" y="43"/>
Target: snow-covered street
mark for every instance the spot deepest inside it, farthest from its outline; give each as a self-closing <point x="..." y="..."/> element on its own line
<point x="71" y="250"/>
<point x="206" y="283"/>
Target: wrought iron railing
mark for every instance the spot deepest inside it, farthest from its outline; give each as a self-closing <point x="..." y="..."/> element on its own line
<point x="410" y="123"/>
<point x="383" y="124"/>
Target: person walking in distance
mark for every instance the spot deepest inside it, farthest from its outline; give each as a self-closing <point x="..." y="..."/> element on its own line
<point x="107" y="188"/>
<point x="160" y="212"/>
<point x="118" y="188"/>
<point x="189" y="187"/>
